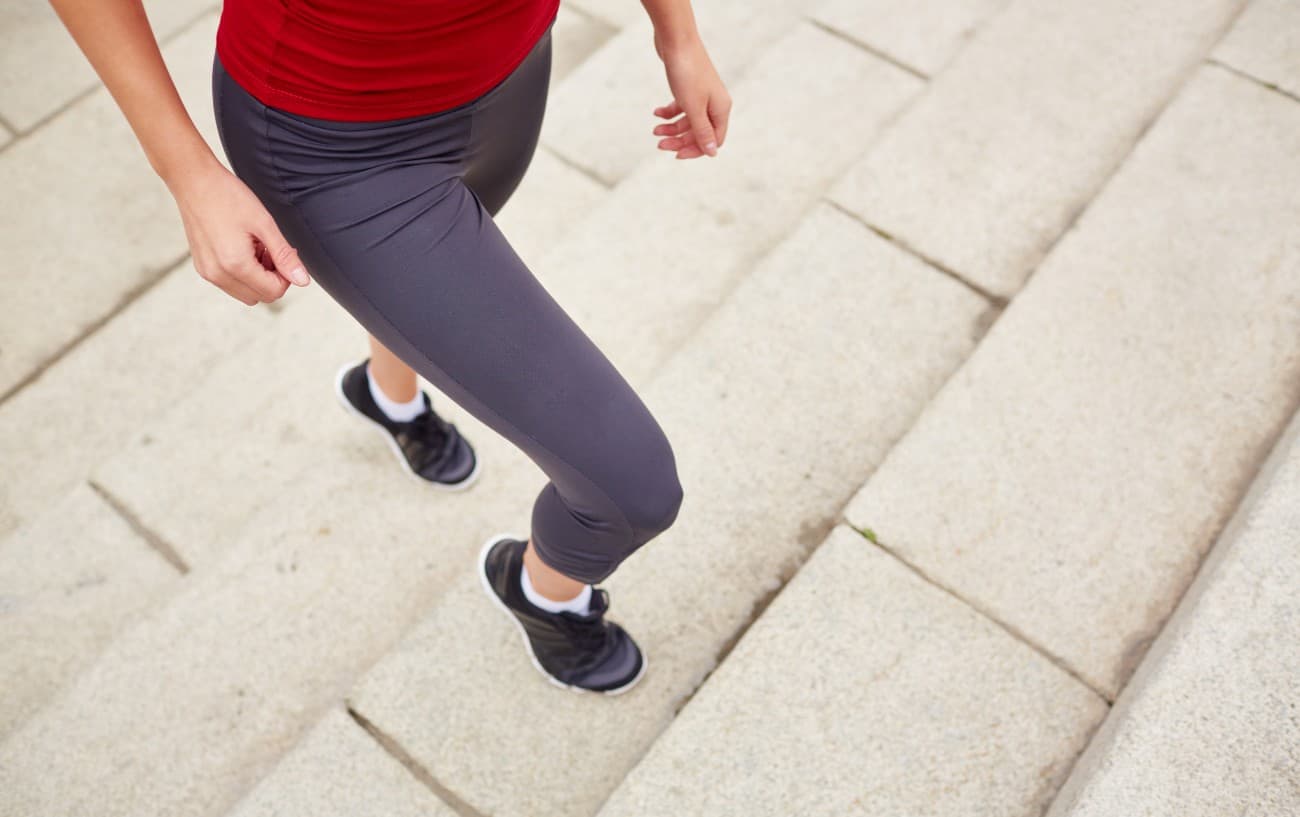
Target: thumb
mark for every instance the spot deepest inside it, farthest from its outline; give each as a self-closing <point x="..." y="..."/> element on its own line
<point x="702" y="129"/>
<point x="283" y="256"/>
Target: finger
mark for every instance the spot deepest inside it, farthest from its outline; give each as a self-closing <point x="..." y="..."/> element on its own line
<point x="284" y="257"/>
<point x="235" y="289"/>
<point x="673" y="128"/>
<point x="677" y="142"/>
<point x="721" y="117"/>
<point x="668" y="111"/>
<point x="265" y="284"/>
<point x="691" y="151"/>
<point x="702" y="128"/>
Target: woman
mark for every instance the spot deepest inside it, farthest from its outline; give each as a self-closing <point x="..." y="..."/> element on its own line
<point x="372" y="142"/>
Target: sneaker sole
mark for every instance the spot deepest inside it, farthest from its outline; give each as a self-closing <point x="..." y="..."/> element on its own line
<point x="450" y="487"/>
<point x="523" y="634"/>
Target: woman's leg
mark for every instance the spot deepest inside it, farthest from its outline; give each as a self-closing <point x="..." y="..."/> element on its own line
<point x="384" y="216"/>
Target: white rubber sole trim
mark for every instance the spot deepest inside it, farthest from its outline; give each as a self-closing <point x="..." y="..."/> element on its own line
<point x="523" y="634"/>
<point x="392" y="444"/>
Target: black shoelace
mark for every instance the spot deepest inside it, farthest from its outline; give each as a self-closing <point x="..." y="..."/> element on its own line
<point x="434" y="432"/>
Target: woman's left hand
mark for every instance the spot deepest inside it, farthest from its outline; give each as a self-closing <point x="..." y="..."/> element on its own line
<point x="699" y="97"/>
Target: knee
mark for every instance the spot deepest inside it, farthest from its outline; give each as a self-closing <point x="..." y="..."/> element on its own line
<point x="652" y="495"/>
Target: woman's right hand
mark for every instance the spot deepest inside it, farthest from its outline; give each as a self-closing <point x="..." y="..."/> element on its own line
<point x="234" y="241"/>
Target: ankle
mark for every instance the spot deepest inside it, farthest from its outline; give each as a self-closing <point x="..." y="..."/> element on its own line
<point x="580" y="603"/>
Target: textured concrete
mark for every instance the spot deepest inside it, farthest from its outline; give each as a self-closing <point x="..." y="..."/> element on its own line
<point x="614" y="12"/>
<point x="772" y="434"/>
<point x="1208" y="726"/>
<point x="1018" y="133"/>
<point x="576" y="37"/>
<point x="69" y="582"/>
<point x="1071" y="475"/>
<point x="86" y="221"/>
<point x="1265" y="43"/>
<point x="686" y="232"/>
<point x="41" y="68"/>
<point x="689" y="230"/>
<point x="340" y="771"/>
<point x="602" y="119"/>
<point x="921" y="34"/>
<point x="545" y="205"/>
<point x="865" y="690"/>
<point x="94" y="401"/>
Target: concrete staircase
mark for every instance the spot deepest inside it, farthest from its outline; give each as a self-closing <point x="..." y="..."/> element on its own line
<point x="969" y="344"/>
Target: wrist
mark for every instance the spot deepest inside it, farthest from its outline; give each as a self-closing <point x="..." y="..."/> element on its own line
<point x="670" y="42"/>
<point x="183" y="162"/>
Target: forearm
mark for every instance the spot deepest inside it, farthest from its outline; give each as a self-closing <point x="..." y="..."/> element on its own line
<point x="116" y="38"/>
<point x="674" y="23"/>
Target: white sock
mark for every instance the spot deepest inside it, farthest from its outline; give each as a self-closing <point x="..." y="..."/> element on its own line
<point x="578" y="604"/>
<point x="395" y="411"/>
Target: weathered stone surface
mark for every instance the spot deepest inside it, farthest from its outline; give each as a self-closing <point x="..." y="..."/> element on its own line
<point x="615" y="12"/>
<point x="41" y="68"/>
<point x="686" y="234"/>
<point x="777" y="409"/>
<point x="1265" y="43"/>
<point x="603" y="118"/>
<point x="576" y="37"/>
<point x="1071" y="475"/>
<point x="86" y="221"/>
<point x="922" y="35"/>
<point x="688" y="230"/>
<point x="864" y="689"/>
<point x="91" y="403"/>
<point x="340" y="771"/>
<point x="1011" y="141"/>
<point x="69" y="582"/>
<point x="545" y="205"/>
<point x="1207" y="727"/>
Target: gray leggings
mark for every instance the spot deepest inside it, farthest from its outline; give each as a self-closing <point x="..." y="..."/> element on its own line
<point x="394" y="220"/>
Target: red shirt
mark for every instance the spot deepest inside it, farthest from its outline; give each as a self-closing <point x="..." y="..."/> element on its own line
<point x="368" y="60"/>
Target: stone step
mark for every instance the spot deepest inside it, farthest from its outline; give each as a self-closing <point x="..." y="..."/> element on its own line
<point x="1265" y="44"/>
<point x="88" y="223"/>
<point x="685" y="232"/>
<point x="921" y="34"/>
<point x="310" y="588"/>
<point x="69" y="581"/>
<point x="614" y="12"/>
<point x="864" y="689"/>
<point x="1023" y="127"/>
<point x="92" y="402"/>
<point x="576" y="36"/>
<point x="1069" y="478"/>
<point x="41" y="68"/>
<point x="1207" y="726"/>
<point x="602" y="120"/>
<point x="778" y="409"/>
<point x="340" y="771"/>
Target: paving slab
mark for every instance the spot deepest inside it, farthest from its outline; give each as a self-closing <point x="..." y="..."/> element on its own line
<point x="87" y="223"/>
<point x="1265" y="43"/>
<point x="921" y="34"/>
<point x="864" y="689"/>
<point x="340" y="771"/>
<point x="94" y="401"/>
<point x="41" y="68"/>
<point x="778" y="408"/>
<point x="686" y="233"/>
<point x="252" y="650"/>
<point x="1070" y="477"/>
<point x="576" y="36"/>
<point x="1017" y="134"/>
<point x="615" y="12"/>
<point x="1207" y="726"/>
<point x="602" y="118"/>
<point x="69" y="581"/>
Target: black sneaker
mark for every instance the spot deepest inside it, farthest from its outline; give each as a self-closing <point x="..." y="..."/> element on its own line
<point x="429" y="447"/>
<point x="575" y="651"/>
